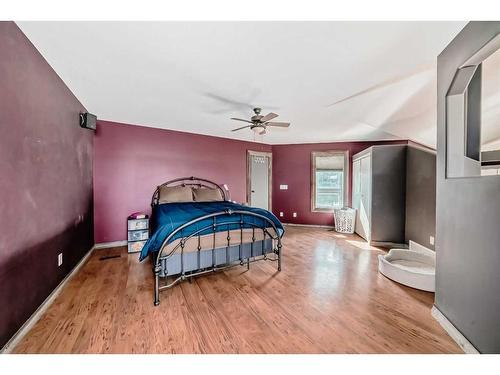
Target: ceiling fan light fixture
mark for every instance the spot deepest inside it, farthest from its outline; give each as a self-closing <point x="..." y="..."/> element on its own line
<point x="259" y="129"/>
<point x="259" y="124"/>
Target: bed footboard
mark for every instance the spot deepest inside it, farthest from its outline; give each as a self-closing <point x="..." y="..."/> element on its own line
<point x="241" y="219"/>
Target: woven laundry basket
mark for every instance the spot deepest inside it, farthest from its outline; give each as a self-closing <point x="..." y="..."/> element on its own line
<point x="344" y="219"/>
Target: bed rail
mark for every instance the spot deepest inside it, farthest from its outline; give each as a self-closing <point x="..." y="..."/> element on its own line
<point x="268" y="228"/>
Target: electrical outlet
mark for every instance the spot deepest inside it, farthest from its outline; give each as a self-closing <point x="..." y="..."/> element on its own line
<point x="283" y="187"/>
<point x="59" y="260"/>
<point x="431" y="240"/>
<point x="281" y="214"/>
<point x="295" y="214"/>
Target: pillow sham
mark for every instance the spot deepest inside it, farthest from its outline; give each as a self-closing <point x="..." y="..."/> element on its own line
<point x="207" y="195"/>
<point x="175" y="194"/>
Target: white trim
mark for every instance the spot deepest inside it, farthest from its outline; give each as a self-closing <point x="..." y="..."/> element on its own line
<point x="415" y="246"/>
<point x="25" y="328"/>
<point x="268" y="155"/>
<point x="345" y="178"/>
<point x="421" y="147"/>
<point x="105" y="245"/>
<point x="391" y="245"/>
<point x="310" y="225"/>
<point x="454" y="333"/>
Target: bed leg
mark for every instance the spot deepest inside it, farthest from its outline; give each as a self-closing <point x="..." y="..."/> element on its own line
<point x="157" y="286"/>
<point x="279" y="256"/>
<point x="248" y="264"/>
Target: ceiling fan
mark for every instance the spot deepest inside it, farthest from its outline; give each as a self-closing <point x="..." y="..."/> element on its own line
<point x="260" y="123"/>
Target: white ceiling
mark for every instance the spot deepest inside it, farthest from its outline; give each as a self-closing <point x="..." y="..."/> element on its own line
<point x="194" y="76"/>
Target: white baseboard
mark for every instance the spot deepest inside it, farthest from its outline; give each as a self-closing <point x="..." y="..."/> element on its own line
<point x="104" y="245"/>
<point x="454" y="333"/>
<point x="21" y="332"/>
<point x="309" y="225"/>
<point x="415" y="246"/>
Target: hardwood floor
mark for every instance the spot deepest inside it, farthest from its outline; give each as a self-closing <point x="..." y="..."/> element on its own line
<point x="329" y="298"/>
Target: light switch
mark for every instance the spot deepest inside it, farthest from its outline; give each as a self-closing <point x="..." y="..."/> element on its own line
<point x="431" y="240"/>
<point x="283" y="187"/>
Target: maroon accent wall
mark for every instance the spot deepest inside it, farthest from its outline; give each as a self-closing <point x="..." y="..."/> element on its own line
<point x="292" y="167"/>
<point x="45" y="180"/>
<point x="130" y="161"/>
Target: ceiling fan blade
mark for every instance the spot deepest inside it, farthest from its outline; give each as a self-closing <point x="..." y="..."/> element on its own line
<point x="243" y="127"/>
<point x="280" y="124"/>
<point x="240" y="119"/>
<point x="268" y="117"/>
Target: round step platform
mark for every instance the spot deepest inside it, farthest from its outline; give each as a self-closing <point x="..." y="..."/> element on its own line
<point x="411" y="268"/>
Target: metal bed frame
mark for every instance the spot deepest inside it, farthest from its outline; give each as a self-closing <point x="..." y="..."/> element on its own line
<point x="239" y="219"/>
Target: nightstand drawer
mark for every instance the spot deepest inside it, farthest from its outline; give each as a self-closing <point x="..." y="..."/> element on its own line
<point x="135" y="247"/>
<point x="138" y="224"/>
<point x="138" y="235"/>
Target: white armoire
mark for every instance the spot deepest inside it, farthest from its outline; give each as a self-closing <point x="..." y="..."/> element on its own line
<point x="378" y="194"/>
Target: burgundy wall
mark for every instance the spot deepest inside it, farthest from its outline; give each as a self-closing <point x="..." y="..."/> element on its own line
<point x="45" y="180"/>
<point x="130" y="161"/>
<point x="292" y="167"/>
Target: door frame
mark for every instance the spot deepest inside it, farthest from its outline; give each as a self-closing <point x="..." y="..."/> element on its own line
<point x="251" y="153"/>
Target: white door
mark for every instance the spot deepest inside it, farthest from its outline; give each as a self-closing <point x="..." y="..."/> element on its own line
<point x="356" y="190"/>
<point x="361" y="198"/>
<point x="366" y="196"/>
<point x="259" y="181"/>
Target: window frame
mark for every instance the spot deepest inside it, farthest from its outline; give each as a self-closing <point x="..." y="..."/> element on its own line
<point x="346" y="178"/>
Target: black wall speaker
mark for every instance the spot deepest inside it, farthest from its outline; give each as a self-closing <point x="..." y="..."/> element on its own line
<point x="88" y="120"/>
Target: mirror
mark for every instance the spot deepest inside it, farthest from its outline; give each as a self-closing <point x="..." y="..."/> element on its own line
<point x="490" y="116"/>
<point x="473" y="115"/>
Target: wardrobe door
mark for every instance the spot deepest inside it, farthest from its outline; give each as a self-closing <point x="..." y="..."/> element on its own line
<point x="364" y="210"/>
<point x="356" y="190"/>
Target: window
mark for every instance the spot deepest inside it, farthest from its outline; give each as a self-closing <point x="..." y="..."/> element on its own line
<point x="328" y="180"/>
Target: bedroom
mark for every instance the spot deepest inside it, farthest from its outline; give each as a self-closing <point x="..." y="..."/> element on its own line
<point x="264" y="187"/>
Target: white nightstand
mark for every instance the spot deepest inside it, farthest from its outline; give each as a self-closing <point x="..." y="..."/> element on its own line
<point x="137" y="234"/>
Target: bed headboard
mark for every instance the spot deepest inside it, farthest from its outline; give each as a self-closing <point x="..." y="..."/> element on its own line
<point x="188" y="181"/>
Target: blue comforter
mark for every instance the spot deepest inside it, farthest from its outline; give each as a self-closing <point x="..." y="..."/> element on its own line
<point x="167" y="217"/>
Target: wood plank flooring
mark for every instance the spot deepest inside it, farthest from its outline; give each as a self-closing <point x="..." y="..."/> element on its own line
<point x="329" y="298"/>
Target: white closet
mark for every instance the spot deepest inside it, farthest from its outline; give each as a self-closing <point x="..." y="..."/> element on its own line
<point x="378" y="193"/>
